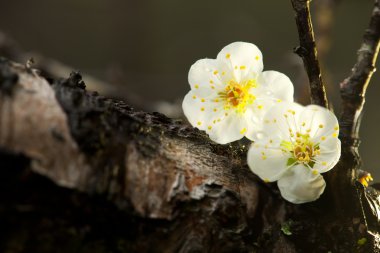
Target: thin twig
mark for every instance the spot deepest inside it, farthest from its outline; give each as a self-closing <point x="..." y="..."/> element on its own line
<point x="308" y="51"/>
<point x="354" y="87"/>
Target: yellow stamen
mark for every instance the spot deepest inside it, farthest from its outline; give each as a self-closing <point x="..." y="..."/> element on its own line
<point x="237" y="95"/>
<point x="365" y="179"/>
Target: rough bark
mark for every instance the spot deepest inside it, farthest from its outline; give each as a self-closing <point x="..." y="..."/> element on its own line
<point x="353" y="91"/>
<point x="94" y="175"/>
<point x="354" y="87"/>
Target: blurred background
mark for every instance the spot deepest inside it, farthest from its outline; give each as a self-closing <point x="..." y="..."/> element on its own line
<point x="141" y="51"/>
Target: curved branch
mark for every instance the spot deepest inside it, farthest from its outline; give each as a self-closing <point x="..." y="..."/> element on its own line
<point x="308" y="51"/>
<point x="354" y="87"/>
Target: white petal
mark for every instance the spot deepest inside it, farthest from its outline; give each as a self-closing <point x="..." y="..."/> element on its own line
<point x="320" y="121"/>
<point x="277" y="85"/>
<point x="228" y="128"/>
<point x="301" y="185"/>
<point x="330" y="153"/>
<point x="279" y="121"/>
<point x="255" y="116"/>
<point x="199" y="111"/>
<point x="243" y="59"/>
<point x="268" y="163"/>
<point x="204" y="77"/>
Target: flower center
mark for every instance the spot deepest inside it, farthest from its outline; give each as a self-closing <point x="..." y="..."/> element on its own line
<point x="303" y="150"/>
<point x="237" y="96"/>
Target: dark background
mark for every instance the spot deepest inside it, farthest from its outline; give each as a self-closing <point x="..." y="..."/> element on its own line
<point x="147" y="47"/>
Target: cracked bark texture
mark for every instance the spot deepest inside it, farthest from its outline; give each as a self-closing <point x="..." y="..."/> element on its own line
<point x="83" y="173"/>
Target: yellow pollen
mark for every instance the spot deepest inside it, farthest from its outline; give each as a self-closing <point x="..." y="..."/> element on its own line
<point x="279" y="100"/>
<point x="236" y="67"/>
<point x="315" y="172"/>
<point x="226" y="113"/>
<point x="303" y="124"/>
<point x="203" y="100"/>
<point x="336" y="128"/>
<point x="334" y="134"/>
<point x="259" y="107"/>
<point x="270" y="141"/>
<point x="202" y="109"/>
<point x="211" y="81"/>
<point x="264" y="157"/>
<point x="215" y="110"/>
<point x="266" y="180"/>
<point x="320" y="126"/>
<point x="274" y="120"/>
<point x="365" y="179"/>
<point x="216" y="72"/>
<point x="223" y="73"/>
<point x="302" y="150"/>
<point x="209" y="127"/>
<point x="243" y="131"/>
<point x="242" y="67"/>
<point x="323" y="138"/>
<point x="324" y="163"/>
<point x="237" y="95"/>
<point x="257" y="58"/>
<point x="218" y="120"/>
<point x="228" y="56"/>
<point x="196" y="86"/>
<point x="214" y="121"/>
<point x="194" y="97"/>
<point x="216" y="100"/>
<point x="199" y="123"/>
<point x="212" y="87"/>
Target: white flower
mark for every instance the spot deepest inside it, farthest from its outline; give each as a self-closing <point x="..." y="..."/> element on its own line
<point x="230" y="94"/>
<point x="296" y="144"/>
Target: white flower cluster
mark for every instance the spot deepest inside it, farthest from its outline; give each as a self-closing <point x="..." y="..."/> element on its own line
<point x="231" y="97"/>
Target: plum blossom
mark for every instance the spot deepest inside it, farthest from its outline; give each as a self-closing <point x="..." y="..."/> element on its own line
<point x="230" y="94"/>
<point x="296" y="144"/>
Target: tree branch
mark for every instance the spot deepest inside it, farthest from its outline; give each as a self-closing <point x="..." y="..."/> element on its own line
<point x="308" y="51"/>
<point x="190" y="193"/>
<point x="354" y="87"/>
